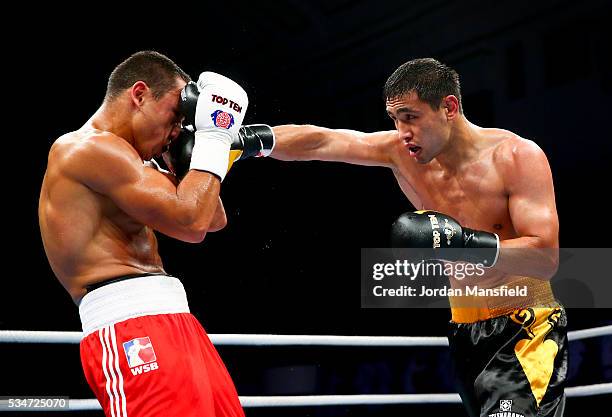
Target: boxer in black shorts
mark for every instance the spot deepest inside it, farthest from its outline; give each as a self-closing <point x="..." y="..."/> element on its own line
<point x="511" y="354"/>
<point x="515" y="363"/>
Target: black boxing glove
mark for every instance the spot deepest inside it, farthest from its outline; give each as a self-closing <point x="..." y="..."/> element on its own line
<point x="254" y="140"/>
<point x="188" y="103"/>
<point x="251" y="140"/>
<point x="177" y="157"/>
<point x="439" y="236"/>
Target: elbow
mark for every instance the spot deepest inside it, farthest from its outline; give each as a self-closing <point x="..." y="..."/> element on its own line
<point x="549" y="258"/>
<point x="552" y="263"/>
<point x="547" y="271"/>
<point x="191" y="235"/>
<point x="218" y="224"/>
<point x="193" y="229"/>
<point x="194" y="235"/>
<point x="196" y="238"/>
<point x="199" y="226"/>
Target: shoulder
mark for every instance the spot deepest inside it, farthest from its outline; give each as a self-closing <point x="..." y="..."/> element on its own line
<point x="520" y="161"/>
<point x="513" y="151"/>
<point x="91" y="144"/>
<point x="81" y="152"/>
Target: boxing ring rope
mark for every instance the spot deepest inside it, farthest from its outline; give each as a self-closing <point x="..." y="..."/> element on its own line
<point x="28" y="336"/>
<point x="24" y="336"/>
<point x="363" y="399"/>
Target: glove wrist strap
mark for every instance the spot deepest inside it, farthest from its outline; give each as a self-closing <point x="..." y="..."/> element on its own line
<point x="211" y="151"/>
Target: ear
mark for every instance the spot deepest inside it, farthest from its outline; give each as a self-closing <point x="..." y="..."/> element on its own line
<point x="451" y="106"/>
<point x="138" y="92"/>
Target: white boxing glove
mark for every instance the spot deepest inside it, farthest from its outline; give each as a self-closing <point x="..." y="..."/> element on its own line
<point x="220" y="110"/>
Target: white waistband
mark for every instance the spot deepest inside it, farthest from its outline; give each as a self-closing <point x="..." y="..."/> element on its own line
<point x="134" y="297"/>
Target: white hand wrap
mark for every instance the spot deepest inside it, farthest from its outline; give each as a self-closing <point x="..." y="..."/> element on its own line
<point x="211" y="151"/>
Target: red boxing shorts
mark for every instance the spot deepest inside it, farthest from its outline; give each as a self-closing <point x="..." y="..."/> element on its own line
<point x="144" y="354"/>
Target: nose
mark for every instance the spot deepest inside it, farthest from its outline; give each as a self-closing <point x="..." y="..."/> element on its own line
<point x="404" y="131"/>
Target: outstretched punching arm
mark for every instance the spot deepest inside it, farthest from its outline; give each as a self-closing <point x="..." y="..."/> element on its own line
<point x="308" y="142"/>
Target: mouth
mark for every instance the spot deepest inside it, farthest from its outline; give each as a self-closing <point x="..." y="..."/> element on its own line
<point x="413" y="149"/>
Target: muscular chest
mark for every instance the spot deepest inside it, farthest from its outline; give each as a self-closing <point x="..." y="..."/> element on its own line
<point x="475" y="196"/>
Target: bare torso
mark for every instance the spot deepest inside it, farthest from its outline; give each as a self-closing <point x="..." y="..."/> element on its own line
<point x="475" y="194"/>
<point x="87" y="238"/>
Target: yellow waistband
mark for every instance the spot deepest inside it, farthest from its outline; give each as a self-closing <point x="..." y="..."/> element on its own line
<point x="469" y="309"/>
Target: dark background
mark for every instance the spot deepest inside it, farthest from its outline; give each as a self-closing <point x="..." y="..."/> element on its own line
<point x="288" y="261"/>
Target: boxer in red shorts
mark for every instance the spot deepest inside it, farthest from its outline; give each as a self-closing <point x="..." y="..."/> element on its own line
<point x="101" y="200"/>
<point x="159" y="363"/>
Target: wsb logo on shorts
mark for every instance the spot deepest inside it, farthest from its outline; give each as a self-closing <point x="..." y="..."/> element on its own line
<point x="505" y="410"/>
<point x="140" y="355"/>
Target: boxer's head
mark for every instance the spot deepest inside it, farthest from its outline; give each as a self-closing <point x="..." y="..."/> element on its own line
<point x="148" y="84"/>
<point x="423" y="97"/>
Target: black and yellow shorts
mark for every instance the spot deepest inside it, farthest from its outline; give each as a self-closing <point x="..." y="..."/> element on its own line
<point x="513" y="365"/>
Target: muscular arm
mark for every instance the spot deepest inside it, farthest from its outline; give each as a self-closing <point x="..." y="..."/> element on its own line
<point x="219" y="220"/>
<point x="531" y="200"/>
<point x="307" y="142"/>
<point x="109" y="166"/>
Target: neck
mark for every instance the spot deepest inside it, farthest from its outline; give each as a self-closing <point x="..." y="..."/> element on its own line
<point x="463" y="146"/>
<point x="111" y="117"/>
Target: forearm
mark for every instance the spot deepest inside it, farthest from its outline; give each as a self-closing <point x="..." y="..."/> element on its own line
<point x="309" y="142"/>
<point x="298" y="142"/>
<point x="196" y="204"/>
<point x="528" y="256"/>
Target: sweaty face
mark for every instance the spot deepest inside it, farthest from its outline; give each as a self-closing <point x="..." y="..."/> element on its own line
<point x="160" y="121"/>
<point x="423" y="131"/>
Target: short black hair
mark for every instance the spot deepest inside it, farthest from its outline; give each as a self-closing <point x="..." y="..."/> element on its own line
<point x="428" y="77"/>
<point x="157" y="70"/>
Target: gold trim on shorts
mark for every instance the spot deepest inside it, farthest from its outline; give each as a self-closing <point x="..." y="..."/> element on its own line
<point x="470" y="309"/>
